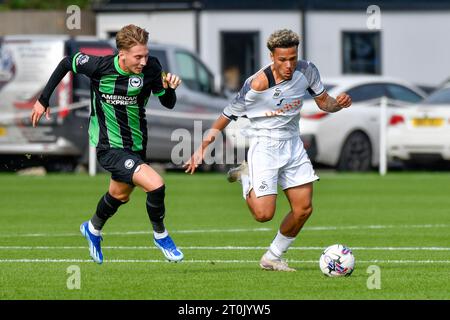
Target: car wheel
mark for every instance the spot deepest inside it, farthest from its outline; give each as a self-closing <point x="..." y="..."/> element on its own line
<point x="356" y="154"/>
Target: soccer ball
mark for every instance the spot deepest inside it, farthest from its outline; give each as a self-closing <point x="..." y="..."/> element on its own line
<point x="337" y="261"/>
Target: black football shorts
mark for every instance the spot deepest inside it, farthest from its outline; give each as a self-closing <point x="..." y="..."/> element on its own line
<point x="121" y="163"/>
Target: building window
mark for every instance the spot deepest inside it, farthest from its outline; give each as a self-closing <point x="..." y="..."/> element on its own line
<point x="361" y="52"/>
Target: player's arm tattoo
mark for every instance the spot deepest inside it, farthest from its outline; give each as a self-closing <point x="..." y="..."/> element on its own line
<point x="327" y="103"/>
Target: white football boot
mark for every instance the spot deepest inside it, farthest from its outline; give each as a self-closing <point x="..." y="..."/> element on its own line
<point x="275" y="265"/>
<point x="234" y="174"/>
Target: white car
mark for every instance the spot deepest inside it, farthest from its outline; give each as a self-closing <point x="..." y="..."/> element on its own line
<point x="349" y="139"/>
<point x="421" y="133"/>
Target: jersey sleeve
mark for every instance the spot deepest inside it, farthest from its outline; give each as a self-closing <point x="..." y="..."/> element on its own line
<point x="236" y="108"/>
<point x="156" y="83"/>
<point x="56" y="77"/>
<point x="85" y="64"/>
<point x="312" y="74"/>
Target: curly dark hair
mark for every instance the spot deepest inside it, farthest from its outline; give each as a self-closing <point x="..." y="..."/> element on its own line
<point x="284" y="38"/>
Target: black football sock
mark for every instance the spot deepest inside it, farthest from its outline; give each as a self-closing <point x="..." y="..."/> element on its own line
<point x="156" y="209"/>
<point x="106" y="208"/>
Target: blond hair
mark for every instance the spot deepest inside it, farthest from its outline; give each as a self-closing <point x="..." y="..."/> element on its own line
<point x="131" y="35"/>
<point x="283" y="39"/>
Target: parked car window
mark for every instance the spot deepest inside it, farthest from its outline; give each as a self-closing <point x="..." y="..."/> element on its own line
<point x="401" y="93"/>
<point x="367" y="92"/>
<point x="194" y="73"/>
<point x="204" y="80"/>
<point x="161" y="56"/>
<point x="441" y="96"/>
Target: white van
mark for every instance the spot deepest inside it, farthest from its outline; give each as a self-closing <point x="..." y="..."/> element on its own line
<point x="26" y="64"/>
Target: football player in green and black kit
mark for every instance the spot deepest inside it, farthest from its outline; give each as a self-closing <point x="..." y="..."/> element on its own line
<point x="120" y="88"/>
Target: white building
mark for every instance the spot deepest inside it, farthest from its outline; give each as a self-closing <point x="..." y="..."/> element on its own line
<point x="404" y="39"/>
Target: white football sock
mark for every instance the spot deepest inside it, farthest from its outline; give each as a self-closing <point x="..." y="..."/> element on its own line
<point x="92" y="230"/>
<point x="279" y="246"/>
<point x="246" y="185"/>
<point x="158" y="235"/>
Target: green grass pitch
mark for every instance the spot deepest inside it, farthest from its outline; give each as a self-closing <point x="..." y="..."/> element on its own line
<point x="399" y="223"/>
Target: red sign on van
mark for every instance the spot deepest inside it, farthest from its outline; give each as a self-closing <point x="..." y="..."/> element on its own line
<point x="95" y="51"/>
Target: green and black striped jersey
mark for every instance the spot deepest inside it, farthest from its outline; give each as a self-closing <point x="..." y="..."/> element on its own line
<point x="118" y="100"/>
<point x="117" y="118"/>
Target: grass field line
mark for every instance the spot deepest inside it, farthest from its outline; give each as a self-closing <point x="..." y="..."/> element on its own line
<point x="219" y="248"/>
<point x="210" y="261"/>
<point x="124" y="233"/>
<point x="233" y="230"/>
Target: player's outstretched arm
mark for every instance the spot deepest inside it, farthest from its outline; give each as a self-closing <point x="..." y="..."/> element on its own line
<point x="41" y="106"/>
<point x="197" y="157"/>
<point x="329" y="104"/>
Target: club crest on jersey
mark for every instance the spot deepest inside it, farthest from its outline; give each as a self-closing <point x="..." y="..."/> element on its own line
<point x="129" y="163"/>
<point x="277" y="93"/>
<point x="135" y="82"/>
<point x="81" y="59"/>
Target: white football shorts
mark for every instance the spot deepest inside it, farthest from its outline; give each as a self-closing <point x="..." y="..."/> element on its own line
<point x="272" y="162"/>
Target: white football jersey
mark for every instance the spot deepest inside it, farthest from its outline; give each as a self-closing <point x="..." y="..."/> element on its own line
<point x="275" y="112"/>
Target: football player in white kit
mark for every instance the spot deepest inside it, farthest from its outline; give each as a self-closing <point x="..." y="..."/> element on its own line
<point x="271" y="99"/>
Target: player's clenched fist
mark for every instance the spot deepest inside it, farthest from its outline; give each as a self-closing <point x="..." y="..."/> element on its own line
<point x="344" y="100"/>
<point x="171" y="80"/>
